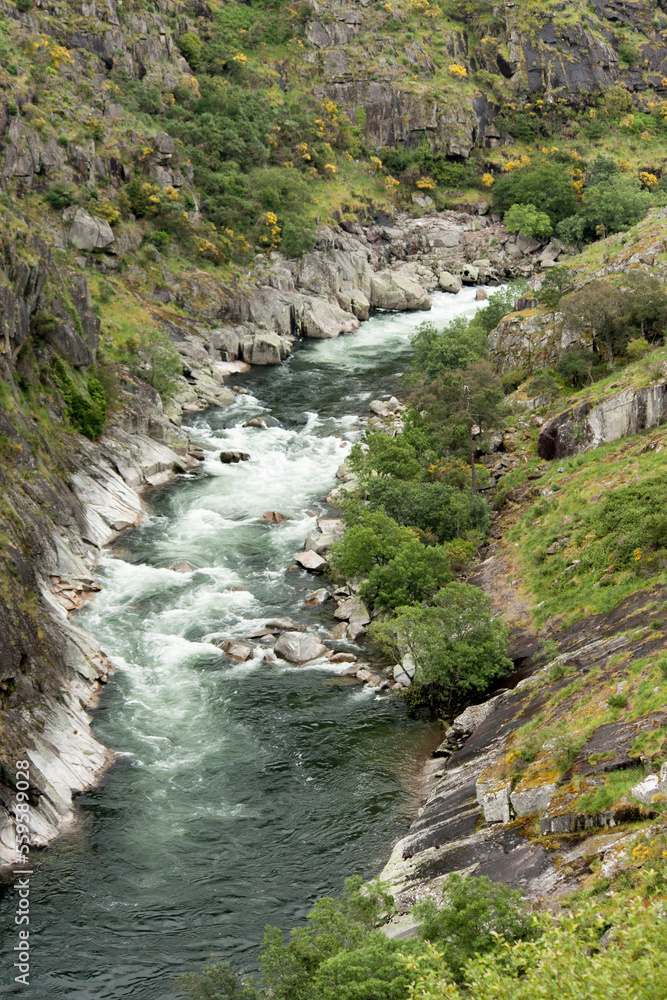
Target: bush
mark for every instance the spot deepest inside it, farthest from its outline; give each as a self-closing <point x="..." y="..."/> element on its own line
<point x="528" y="221"/>
<point x="578" y="366"/>
<point x="457" y="646"/>
<point x="442" y="511"/>
<point x="637" y="349"/>
<point x="160" y="239"/>
<point x="476" y="913"/>
<point x="547" y="186"/>
<point x="23" y="5"/>
<point x="614" y="205"/>
<point x="543" y="384"/>
<point x="455" y="346"/>
<point x="60" y="195"/>
<point x="617" y="101"/>
<point x="190" y="47"/>
<point x="85" y="400"/>
<point x="217" y="981"/>
<point x="42" y="325"/>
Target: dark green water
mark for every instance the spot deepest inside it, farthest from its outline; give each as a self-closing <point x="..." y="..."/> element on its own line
<point x="241" y="793"/>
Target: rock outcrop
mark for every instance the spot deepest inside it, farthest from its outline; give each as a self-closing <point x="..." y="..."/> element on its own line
<point x="588" y="426"/>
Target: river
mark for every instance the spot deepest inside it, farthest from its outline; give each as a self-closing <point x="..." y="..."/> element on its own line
<point x="240" y="793"/>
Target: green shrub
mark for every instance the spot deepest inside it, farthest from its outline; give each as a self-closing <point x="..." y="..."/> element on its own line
<point x="546" y="185"/>
<point x="42" y="325"/>
<point x="217" y="981"/>
<point x="543" y="384"/>
<point x="439" y="510"/>
<point x="190" y="47"/>
<point x="637" y="348"/>
<point x="617" y="700"/>
<point x="457" y="646"/>
<point x="455" y="346"/>
<point x="160" y="239"/>
<point x="528" y="221"/>
<point x="60" y="195"/>
<point x="23" y="5"/>
<point x="614" y="205"/>
<point x="475" y="915"/>
<point x="578" y="366"/>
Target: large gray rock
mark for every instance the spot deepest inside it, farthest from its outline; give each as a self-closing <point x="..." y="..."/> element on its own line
<point x="267" y="349"/>
<point x="587" y="426"/>
<point x="532" y="800"/>
<point x="393" y="290"/>
<point x="325" y="320"/>
<point x="494" y="799"/>
<point x="652" y="789"/>
<point x="89" y="232"/>
<point x="299" y="647"/>
<point x="311" y="561"/>
<point x="449" y="282"/>
<point x="354" y="611"/>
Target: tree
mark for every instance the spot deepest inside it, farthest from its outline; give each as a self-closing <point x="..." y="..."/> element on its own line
<point x="546" y="185"/>
<point x="528" y="221"/>
<point x="455" y="346"/>
<point x="456" y="644"/>
<point x="614" y="205"/>
<point x="217" y="981"/>
<point x="457" y="401"/>
<point x="598" y="307"/>
<point x="476" y="912"/>
<point x="443" y="511"/>
<point x="556" y="283"/>
<point x="645" y="304"/>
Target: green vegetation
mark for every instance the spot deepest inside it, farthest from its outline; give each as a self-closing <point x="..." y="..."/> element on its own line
<point x="477" y="941"/>
<point x="456" y="645"/>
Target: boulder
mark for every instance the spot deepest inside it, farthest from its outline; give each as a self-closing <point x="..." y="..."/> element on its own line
<point x="494" y="799"/>
<point x="299" y="647"/>
<point x="343" y="658"/>
<point x="355" y="631"/>
<point x="267" y="349"/>
<point x="274" y="517"/>
<point x="317" y="597"/>
<point x="324" y="320"/>
<point x="89" y="232"/>
<point x="354" y="611"/>
<point x="393" y="290"/>
<point x="231" y="457"/>
<point x="449" y="282"/>
<point x="652" y="789"/>
<point x="481" y="294"/>
<point x="311" y="561"/>
<point x="281" y="625"/>
<point x="237" y="650"/>
<point x="318" y="542"/>
<point x="527" y="800"/>
<point x="470" y="274"/>
<point x="259" y="422"/>
<point x="183" y="567"/>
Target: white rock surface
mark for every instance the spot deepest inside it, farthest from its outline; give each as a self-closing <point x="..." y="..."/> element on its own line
<point x="299" y="647"/>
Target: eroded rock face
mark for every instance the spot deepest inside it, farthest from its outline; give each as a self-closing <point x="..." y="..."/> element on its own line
<point x="588" y="426"/>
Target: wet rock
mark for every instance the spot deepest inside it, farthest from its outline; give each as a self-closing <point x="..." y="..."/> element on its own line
<point x="317" y="597"/>
<point x="311" y="561"/>
<point x="339" y="631"/>
<point x="318" y="542"/>
<point x="481" y="294"/>
<point x="299" y="647"/>
<point x="237" y="650"/>
<point x="355" y="631"/>
<point x="449" y="282"/>
<point x="282" y="625"/>
<point x="343" y="658"/>
<point x="274" y="517"/>
<point x="231" y="457"/>
<point x="259" y="422"/>
<point x="354" y="611"/>
<point x="325" y="321"/>
<point x="183" y="567"/>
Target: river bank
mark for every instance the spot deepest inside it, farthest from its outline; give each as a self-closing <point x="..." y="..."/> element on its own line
<point x="198" y="737"/>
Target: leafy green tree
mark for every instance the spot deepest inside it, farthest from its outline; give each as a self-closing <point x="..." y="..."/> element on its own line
<point x="373" y="971"/>
<point x="579" y="366"/>
<point x="455" y="346"/>
<point x="546" y="185"/>
<point x="190" y="46"/>
<point x="644" y="304"/>
<point x="435" y="508"/>
<point x="414" y="574"/>
<point x="614" y="205"/>
<point x="457" y="646"/>
<point x="217" y="981"/>
<point x="476" y="912"/>
<point x="637" y="348"/>
<point x="333" y="926"/>
<point x="543" y="384"/>
<point x="528" y="221"/>
<point x="398" y="456"/>
<point x="556" y="283"/>
<point x="372" y="538"/>
<point x="597" y="307"/>
<point x="457" y="402"/>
